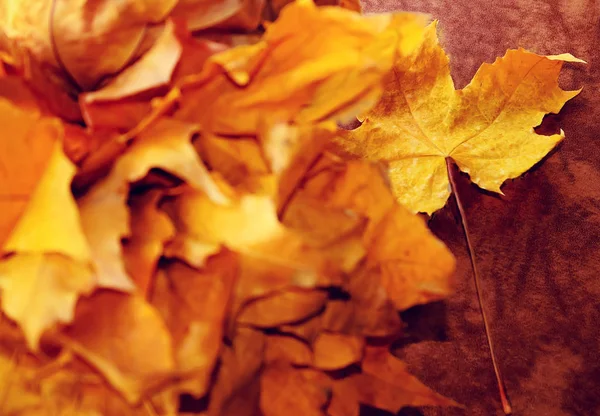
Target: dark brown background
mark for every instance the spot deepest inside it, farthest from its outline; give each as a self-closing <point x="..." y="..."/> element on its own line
<point x="538" y="247"/>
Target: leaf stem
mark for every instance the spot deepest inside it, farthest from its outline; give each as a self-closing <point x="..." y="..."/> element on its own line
<point x="506" y="406"/>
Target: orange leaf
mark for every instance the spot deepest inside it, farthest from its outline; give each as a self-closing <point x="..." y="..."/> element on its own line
<point x="384" y="383"/>
<point x="236" y="389"/>
<point x="195" y="305"/>
<point x="22" y="164"/>
<point x="285" y="390"/>
<point x="414" y="265"/>
<point x="281" y="308"/>
<point x="125" y="339"/>
<point x="292" y="76"/>
<point x="150" y="230"/>
<point x="335" y="351"/>
<point x="287" y="349"/>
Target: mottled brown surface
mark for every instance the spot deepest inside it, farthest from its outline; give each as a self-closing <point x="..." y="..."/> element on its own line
<point x="538" y="246"/>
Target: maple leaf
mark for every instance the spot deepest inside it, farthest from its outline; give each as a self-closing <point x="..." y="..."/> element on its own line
<point x="40" y="290"/>
<point x="154" y="69"/>
<point x="50" y="251"/>
<point x="486" y="128"/>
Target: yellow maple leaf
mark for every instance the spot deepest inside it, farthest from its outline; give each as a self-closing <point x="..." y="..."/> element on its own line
<point x="486" y="128"/>
<point x="49" y="268"/>
<point x="39" y="290"/>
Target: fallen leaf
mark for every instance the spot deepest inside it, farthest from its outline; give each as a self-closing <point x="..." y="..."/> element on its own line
<point x="92" y="41"/>
<point x="40" y="290"/>
<point x="335" y="351"/>
<point x="240" y="161"/>
<point x="283" y="307"/>
<point x="23" y="164"/>
<point x="153" y="70"/>
<point x="384" y="383"/>
<point x="150" y="231"/>
<point x="285" y="390"/>
<point x="414" y="265"/>
<point x="236" y="389"/>
<point x="195" y="306"/>
<point x="277" y="5"/>
<point x="66" y="386"/>
<point x="486" y="128"/>
<point x="125" y="339"/>
<point x="51" y="223"/>
<point x="289" y="349"/>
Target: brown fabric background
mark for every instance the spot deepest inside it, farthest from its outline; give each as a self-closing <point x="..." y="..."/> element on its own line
<point x="538" y="246"/>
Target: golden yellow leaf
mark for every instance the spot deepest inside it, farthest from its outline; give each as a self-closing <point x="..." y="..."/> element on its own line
<point x="248" y="226"/>
<point x="486" y="128"/>
<point x="125" y="339"/>
<point x="290" y="151"/>
<point x="202" y="14"/>
<point x="51" y="223"/>
<point x="40" y="290"/>
<point x="277" y="5"/>
<point x="239" y="161"/>
<point x="43" y="280"/>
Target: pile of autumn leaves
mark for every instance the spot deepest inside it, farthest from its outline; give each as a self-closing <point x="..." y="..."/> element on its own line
<point x="195" y="237"/>
<point x="180" y="217"/>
